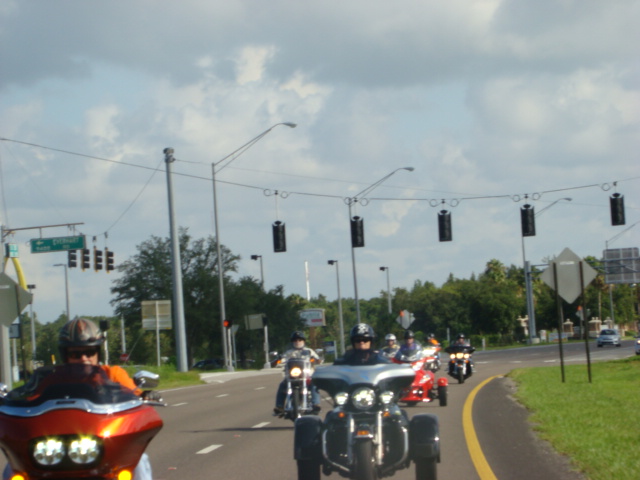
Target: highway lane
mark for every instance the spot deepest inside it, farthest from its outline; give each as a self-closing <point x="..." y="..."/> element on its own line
<point x="225" y="429"/>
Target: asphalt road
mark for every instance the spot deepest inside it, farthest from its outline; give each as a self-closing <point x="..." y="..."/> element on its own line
<point x="225" y="429"/>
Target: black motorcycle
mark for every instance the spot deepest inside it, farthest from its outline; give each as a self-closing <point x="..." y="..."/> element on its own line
<point x="460" y="363"/>
<point x="297" y="372"/>
<point x="366" y="436"/>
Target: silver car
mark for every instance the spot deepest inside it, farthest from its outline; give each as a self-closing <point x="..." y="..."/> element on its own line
<point x="637" y="345"/>
<point x="608" y="336"/>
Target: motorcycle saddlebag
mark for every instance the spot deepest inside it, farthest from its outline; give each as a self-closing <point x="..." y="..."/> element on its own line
<point x="307" y="443"/>
<point x="424" y="436"/>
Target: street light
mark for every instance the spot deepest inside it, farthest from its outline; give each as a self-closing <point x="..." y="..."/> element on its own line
<point x="335" y="262"/>
<point x="231" y="157"/>
<point x="388" y="287"/>
<point x="350" y="201"/>
<point x="527" y="278"/>
<point x="66" y="286"/>
<point x="259" y="257"/>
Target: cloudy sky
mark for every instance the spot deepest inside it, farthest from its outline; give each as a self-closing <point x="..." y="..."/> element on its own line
<point x="493" y="103"/>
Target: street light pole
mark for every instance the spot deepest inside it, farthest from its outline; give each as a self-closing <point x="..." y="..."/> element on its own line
<point x="259" y="257"/>
<point x="335" y="262"/>
<point x="33" y="324"/>
<point x="223" y="313"/>
<point x="66" y="286"/>
<point x="388" y="287"/>
<point x="351" y="201"/>
<point x="531" y="314"/>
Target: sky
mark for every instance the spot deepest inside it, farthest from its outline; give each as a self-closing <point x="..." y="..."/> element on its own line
<point x="494" y="104"/>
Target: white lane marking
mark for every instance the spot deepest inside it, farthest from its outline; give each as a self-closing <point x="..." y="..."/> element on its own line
<point x="223" y="395"/>
<point x="210" y="448"/>
<point x="179" y="404"/>
<point x="260" y="388"/>
<point x="260" y="425"/>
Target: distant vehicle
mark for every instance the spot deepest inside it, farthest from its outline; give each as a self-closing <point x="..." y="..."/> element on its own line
<point x="608" y="336"/>
<point x="208" y="364"/>
<point x="638" y="345"/>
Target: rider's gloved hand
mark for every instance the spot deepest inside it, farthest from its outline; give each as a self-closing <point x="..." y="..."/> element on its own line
<point x="151" y="395"/>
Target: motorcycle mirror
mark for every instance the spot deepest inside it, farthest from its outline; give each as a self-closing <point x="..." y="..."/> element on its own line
<point x="146" y="379"/>
<point x="4" y="390"/>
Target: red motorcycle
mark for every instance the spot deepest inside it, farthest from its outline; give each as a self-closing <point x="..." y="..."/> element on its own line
<point x="424" y="388"/>
<point x="71" y="421"/>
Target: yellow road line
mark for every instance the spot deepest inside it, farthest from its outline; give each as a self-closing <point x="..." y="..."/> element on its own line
<point x="479" y="461"/>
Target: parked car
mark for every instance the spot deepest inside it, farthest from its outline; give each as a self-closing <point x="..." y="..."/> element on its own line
<point x="208" y="364"/>
<point x="608" y="336"/>
<point x="638" y="345"/>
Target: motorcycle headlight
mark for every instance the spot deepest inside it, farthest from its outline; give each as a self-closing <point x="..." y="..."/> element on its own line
<point x="341" y="398"/>
<point x="48" y="451"/>
<point x="84" y="450"/>
<point x="363" y="398"/>
<point x="452" y="356"/>
<point x="459" y="355"/>
<point x="386" y="398"/>
<point x="466" y="355"/>
<point x="295" y="372"/>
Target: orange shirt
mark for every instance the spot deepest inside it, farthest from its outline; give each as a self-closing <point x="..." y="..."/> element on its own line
<point x="120" y="375"/>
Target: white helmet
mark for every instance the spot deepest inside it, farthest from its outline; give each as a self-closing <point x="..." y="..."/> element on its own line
<point x="390" y="336"/>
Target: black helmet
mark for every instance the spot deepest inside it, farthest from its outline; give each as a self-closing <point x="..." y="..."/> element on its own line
<point x="409" y="334"/>
<point x="298" y="334"/>
<point x="362" y="330"/>
<point x="431" y="335"/>
<point x="79" y="332"/>
<point x="460" y="336"/>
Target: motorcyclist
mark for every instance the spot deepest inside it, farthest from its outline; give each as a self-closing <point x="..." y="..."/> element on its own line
<point x="79" y="342"/>
<point x="298" y="350"/>
<point x="410" y="347"/>
<point x="391" y="347"/>
<point x="463" y="341"/>
<point x="362" y="337"/>
<point x="431" y="340"/>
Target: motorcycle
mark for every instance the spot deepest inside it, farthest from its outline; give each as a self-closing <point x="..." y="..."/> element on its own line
<point x="460" y="366"/>
<point x="366" y="436"/>
<point x="71" y="421"/>
<point x="297" y="374"/>
<point x="424" y="388"/>
<point x="432" y="352"/>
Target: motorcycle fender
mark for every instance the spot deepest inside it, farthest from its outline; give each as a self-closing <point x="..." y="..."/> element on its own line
<point x="307" y="440"/>
<point x="443" y="382"/>
<point x="424" y="437"/>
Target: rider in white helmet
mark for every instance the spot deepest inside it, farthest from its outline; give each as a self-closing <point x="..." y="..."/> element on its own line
<point x="391" y="347"/>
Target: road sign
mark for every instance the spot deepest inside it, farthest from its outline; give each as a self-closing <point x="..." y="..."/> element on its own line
<point x="313" y="317"/>
<point x="11" y="250"/>
<point x="12" y="297"/>
<point x="124" y="357"/>
<point x="568" y="271"/>
<point x="621" y="265"/>
<point x="57" y="244"/>
<point x="156" y="314"/>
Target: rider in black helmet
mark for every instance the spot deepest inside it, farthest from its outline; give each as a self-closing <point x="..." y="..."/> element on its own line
<point x="362" y="353"/>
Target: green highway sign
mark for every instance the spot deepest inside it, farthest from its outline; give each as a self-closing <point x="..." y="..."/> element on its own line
<point x="57" y="244"/>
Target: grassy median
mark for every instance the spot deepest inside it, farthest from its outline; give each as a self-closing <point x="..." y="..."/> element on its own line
<point x="595" y="424"/>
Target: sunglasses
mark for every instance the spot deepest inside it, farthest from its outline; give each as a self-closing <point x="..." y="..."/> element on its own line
<point x="89" y="352"/>
<point x="361" y="340"/>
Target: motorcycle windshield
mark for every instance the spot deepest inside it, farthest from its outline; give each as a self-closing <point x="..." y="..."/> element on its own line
<point x="69" y="381"/>
<point x="338" y="378"/>
<point x="409" y="356"/>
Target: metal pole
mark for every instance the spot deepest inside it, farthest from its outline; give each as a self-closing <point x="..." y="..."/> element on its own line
<point x="355" y="275"/>
<point x="388" y="288"/>
<point x="340" y="318"/>
<point x="176" y="273"/>
<point x="33" y="325"/>
<point x="122" y="336"/>
<point x="66" y="289"/>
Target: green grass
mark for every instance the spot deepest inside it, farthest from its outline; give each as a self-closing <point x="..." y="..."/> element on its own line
<point x="595" y="424"/>
<point x="169" y="377"/>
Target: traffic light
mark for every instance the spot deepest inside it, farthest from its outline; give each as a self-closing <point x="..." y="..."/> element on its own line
<point x="444" y="226"/>
<point x="226" y="323"/>
<point x="86" y="259"/>
<point x="104" y="325"/>
<point x="528" y="221"/>
<point x="110" y="260"/>
<point x="279" y="237"/>
<point x="72" y="259"/>
<point x="97" y="259"/>
<point x="357" y="232"/>
<point x="616" y="202"/>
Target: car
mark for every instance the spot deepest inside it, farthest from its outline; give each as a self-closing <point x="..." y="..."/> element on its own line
<point x="208" y="364"/>
<point x="637" y="345"/>
<point x="608" y="336"/>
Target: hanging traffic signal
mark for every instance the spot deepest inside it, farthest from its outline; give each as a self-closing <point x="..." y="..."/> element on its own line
<point x="616" y="202"/>
<point x="110" y="260"/>
<point x="86" y="259"/>
<point x="528" y="221"/>
<point x="357" y="232"/>
<point x="97" y="259"/>
<point x="444" y="226"/>
<point x="72" y="259"/>
<point x="279" y="237"/>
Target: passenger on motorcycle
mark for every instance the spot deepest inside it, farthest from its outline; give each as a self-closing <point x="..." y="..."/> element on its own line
<point x="362" y="337"/>
<point x="391" y="347"/>
<point x="410" y="347"/>
<point x="79" y="342"/>
<point x="297" y="350"/>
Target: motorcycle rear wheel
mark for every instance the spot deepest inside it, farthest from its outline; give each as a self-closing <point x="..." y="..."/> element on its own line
<point x="365" y="468"/>
<point x="308" y="470"/>
<point x="426" y="469"/>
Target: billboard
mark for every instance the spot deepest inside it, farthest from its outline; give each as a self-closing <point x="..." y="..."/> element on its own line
<point x="313" y="317"/>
